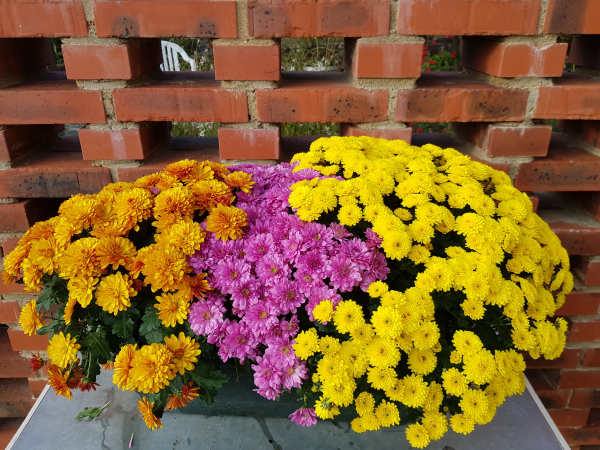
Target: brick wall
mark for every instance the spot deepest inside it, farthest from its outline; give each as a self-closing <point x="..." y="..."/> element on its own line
<point x="512" y="84"/>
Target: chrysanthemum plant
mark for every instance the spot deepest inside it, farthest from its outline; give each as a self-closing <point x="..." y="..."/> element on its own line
<point x="402" y="283"/>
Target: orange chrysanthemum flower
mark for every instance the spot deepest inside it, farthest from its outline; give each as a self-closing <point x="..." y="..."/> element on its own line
<point x="115" y="252"/>
<point x="148" y="181"/>
<point x="69" y="310"/>
<point x="173" y="308"/>
<point x="240" y="180"/>
<point x="82" y="289"/>
<point x="186" y="235"/>
<point x="220" y="170"/>
<point x="199" y="285"/>
<point x="133" y="206"/>
<point x="30" y="319"/>
<point x="210" y="193"/>
<point x="43" y="254"/>
<point x="80" y="259"/>
<point x="58" y="380"/>
<point x="82" y="212"/>
<point x="177" y="201"/>
<point x="150" y="419"/>
<point x="164" y="267"/>
<point x="122" y="366"/>
<point x="226" y="222"/>
<point x="152" y="368"/>
<point x="41" y="230"/>
<point x="184" y="170"/>
<point x="183" y="397"/>
<point x="32" y="276"/>
<point x="13" y="263"/>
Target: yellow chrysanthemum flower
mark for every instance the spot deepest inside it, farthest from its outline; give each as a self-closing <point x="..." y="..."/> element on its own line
<point x="417" y="435"/>
<point x="184" y="350"/>
<point x="387" y="414"/>
<point x="306" y="343"/>
<point x="455" y="383"/>
<point x="80" y="259"/>
<point x="82" y="289"/>
<point x="474" y="404"/>
<point x="152" y="368"/>
<point x="115" y="251"/>
<point x="30" y="319"/>
<point x="172" y="308"/>
<point x="113" y="293"/>
<point x="323" y="312"/>
<point x="62" y="350"/>
<point x="348" y="316"/>
<point x="462" y="424"/>
<point x="122" y="367"/>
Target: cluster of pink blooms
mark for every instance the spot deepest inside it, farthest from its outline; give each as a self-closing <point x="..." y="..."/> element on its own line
<point x="271" y="279"/>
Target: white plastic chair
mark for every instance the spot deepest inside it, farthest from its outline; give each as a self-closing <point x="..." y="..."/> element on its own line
<point x="171" y="53"/>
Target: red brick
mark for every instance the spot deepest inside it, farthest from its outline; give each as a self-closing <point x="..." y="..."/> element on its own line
<point x="535" y="201"/>
<point x="9" y="312"/>
<point x="569" y="417"/>
<point x="586" y="436"/>
<point x="122" y="144"/>
<point x="12" y="364"/>
<point x="9" y="244"/>
<point x="54" y="100"/>
<point x="451" y="97"/>
<point x="575" y="379"/>
<point x="578" y="238"/>
<point x="403" y="134"/>
<point x="48" y="18"/>
<point x="246" y="62"/>
<point x="383" y="60"/>
<point x="498" y="141"/>
<point x="572" y="17"/>
<point x="22" y="55"/>
<point x="176" y="149"/>
<point x="591" y="358"/>
<point x="8" y="428"/>
<point x="580" y="304"/>
<point x="566" y="168"/>
<point x="249" y="144"/>
<point x="513" y="60"/>
<point x="585" y="398"/>
<point x="588" y="331"/>
<point x="17" y="140"/>
<point x="588" y="201"/>
<point x="310" y="18"/>
<point x="16" y="398"/>
<point x="200" y="100"/>
<point x="37" y="386"/>
<point x="554" y="399"/>
<point x="470" y="17"/>
<point x="20" y="341"/>
<point x="165" y="18"/>
<point x="583" y="51"/>
<point x="22" y="215"/>
<point x="112" y="62"/>
<point x="304" y="97"/>
<point x="54" y="175"/>
<point x="571" y="97"/>
<point x="569" y="359"/>
<point x="587" y="269"/>
<point x="587" y="130"/>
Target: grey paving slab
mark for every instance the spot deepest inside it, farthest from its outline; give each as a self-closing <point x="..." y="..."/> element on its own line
<point x="519" y="424"/>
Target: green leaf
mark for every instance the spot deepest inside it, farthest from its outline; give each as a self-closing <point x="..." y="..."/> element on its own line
<point x="208" y="395"/>
<point x="46" y="328"/>
<point x="123" y="326"/>
<point x="96" y="341"/>
<point x="150" y="322"/>
<point x="208" y="376"/>
<point x="155" y="337"/>
<point x="90" y="413"/>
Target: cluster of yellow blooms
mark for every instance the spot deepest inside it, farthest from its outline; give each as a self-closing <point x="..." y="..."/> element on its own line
<point x="481" y="253"/>
<point x="90" y="245"/>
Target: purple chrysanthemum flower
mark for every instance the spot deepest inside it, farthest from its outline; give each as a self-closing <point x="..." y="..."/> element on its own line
<point x="258" y="246"/>
<point x="205" y="317"/>
<point x="373" y="239"/>
<point x="245" y="294"/>
<point x="295" y="374"/>
<point x="261" y="317"/>
<point x="281" y="353"/>
<point x="344" y="273"/>
<point x="316" y="263"/>
<point x="271" y="269"/>
<point x="266" y="374"/>
<point x="286" y="296"/>
<point x="230" y="273"/>
<point x="317" y="236"/>
<point x="305" y="416"/>
<point x="269" y="393"/>
<point x="292" y="246"/>
<point x="239" y="341"/>
<point x="217" y="336"/>
<point x="357" y="251"/>
<point x="339" y="232"/>
<point x="307" y="281"/>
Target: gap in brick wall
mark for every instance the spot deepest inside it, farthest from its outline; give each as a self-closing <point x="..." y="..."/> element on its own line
<point x="431" y="127"/>
<point x="59" y="62"/>
<point x="310" y="129"/>
<point x="194" y="129"/>
<point x="199" y="50"/>
<point x="441" y="54"/>
<point x="312" y="54"/>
